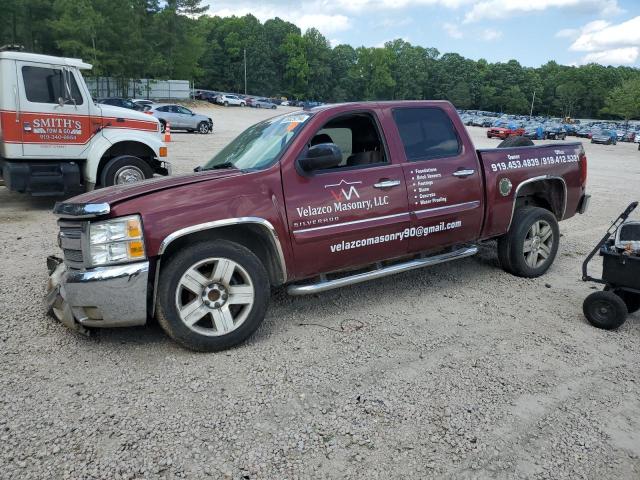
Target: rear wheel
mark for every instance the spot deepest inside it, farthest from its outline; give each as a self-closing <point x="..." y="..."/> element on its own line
<point x="212" y="295"/>
<point x="530" y="246"/>
<point x="125" y="169"/>
<point x="605" y="310"/>
<point x="226" y="104"/>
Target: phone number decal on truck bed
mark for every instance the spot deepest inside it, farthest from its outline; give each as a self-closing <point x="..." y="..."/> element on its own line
<point x="514" y="163"/>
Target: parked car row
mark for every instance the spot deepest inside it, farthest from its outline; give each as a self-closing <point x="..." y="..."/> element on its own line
<point x="545" y="128"/>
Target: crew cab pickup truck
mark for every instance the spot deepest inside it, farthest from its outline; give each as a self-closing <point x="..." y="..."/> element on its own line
<point x="313" y="200"/>
<point x="55" y="140"/>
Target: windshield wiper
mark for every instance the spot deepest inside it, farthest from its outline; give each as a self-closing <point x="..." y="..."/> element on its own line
<point x="216" y="167"/>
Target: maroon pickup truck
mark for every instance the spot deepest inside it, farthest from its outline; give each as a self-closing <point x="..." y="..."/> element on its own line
<point x="313" y="200"/>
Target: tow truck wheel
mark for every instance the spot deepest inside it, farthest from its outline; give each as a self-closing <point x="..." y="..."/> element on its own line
<point x="212" y="295"/>
<point x="530" y="246"/>
<point x="125" y="169"/>
<point x="605" y="310"/>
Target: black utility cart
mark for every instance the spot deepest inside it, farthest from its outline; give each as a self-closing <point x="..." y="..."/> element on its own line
<point x="620" y="251"/>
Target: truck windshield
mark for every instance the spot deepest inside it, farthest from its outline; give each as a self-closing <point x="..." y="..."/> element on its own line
<point x="260" y="145"/>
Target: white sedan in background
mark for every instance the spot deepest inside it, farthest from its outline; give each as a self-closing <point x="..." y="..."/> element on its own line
<point x="227" y="100"/>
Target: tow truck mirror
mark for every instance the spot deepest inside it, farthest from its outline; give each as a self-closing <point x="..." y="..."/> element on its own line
<point x="61" y="101"/>
<point x="320" y="157"/>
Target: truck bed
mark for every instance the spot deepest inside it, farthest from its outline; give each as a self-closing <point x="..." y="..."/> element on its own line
<point x="520" y="166"/>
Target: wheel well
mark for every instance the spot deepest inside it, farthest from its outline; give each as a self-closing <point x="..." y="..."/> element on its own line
<point x="252" y="236"/>
<point x="549" y="194"/>
<point x="136" y="149"/>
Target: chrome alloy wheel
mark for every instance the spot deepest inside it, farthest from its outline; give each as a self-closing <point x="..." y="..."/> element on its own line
<point x="538" y="244"/>
<point x="128" y="174"/>
<point x="214" y="296"/>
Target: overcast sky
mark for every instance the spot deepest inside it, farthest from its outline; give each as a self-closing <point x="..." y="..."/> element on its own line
<point x="531" y="31"/>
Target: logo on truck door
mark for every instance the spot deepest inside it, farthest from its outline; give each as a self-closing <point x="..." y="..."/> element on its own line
<point x="61" y="128"/>
<point x="343" y="190"/>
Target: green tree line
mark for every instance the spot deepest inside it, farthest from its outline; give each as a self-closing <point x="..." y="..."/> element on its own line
<point x="177" y="39"/>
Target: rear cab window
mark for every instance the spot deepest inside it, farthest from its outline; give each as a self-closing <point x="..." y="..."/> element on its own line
<point x="426" y="133"/>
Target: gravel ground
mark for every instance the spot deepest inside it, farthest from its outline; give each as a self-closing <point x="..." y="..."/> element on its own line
<point x="458" y="371"/>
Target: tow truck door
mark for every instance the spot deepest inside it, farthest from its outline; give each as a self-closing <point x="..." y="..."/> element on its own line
<point x="51" y="128"/>
<point x="444" y="182"/>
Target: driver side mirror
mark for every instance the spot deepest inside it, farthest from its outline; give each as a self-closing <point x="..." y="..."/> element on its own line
<point x="321" y="157"/>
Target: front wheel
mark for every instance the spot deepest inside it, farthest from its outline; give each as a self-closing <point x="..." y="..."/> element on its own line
<point x="242" y="104"/>
<point x="203" y="127"/>
<point x="530" y="246"/>
<point x="212" y="295"/>
<point x="605" y="310"/>
<point x="125" y="169"/>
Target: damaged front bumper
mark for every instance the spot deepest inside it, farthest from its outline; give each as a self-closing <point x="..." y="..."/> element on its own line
<point x="114" y="296"/>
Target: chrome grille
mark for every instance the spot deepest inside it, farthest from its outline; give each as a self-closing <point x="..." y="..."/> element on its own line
<point x="70" y="240"/>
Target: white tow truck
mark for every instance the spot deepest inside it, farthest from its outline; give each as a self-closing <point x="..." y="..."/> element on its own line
<point x="54" y="140"/>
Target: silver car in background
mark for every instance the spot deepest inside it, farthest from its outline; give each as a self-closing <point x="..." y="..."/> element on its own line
<point x="180" y="118"/>
<point x="263" y="103"/>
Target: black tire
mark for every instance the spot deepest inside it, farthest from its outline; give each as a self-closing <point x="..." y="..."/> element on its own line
<point x="273" y="107"/>
<point x="163" y="126"/>
<point x="170" y="277"/>
<point x="605" y="310"/>
<point x="515" y="141"/>
<point x="630" y="299"/>
<point x="226" y="104"/>
<point x="116" y="169"/>
<point x="511" y="246"/>
<point x="242" y="104"/>
<point x="203" y="128"/>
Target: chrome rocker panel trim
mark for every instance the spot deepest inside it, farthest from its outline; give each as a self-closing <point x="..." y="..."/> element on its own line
<point x="323" y="286"/>
<point x="117" y="293"/>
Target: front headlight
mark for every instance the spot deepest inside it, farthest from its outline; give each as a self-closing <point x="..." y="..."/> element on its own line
<point x="118" y="240"/>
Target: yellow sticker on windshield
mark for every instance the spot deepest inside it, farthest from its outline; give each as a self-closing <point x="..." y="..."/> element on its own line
<point x="292" y="126"/>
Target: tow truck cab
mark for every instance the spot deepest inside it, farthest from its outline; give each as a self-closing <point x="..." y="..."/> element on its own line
<point x="55" y="140"/>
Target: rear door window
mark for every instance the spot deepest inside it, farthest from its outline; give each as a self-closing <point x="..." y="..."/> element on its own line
<point x="426" y="133"/>
<point x="46" y="85"/>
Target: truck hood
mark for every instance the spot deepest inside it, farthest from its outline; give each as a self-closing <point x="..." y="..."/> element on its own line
<point x="120" y="193"/>
<point x="120" y="112"/>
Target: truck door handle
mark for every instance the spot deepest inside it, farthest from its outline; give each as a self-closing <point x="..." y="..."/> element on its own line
<point x="387" y="184"/>
<point x="463" y="173"/>
<point x="26" y="126"/>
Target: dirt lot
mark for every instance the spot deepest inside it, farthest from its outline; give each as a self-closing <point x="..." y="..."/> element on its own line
<point x="458" y="371"/>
